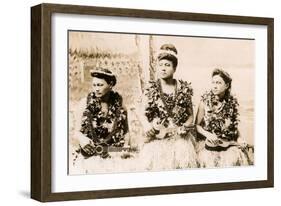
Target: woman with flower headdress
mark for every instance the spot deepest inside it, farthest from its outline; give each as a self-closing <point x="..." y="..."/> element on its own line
<point x="217" y="125"/>
<point x="104" y="120"/>
<point x="168" y="117"/>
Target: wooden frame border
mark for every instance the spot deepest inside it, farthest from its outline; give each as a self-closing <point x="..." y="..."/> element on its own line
<point x="41" y="101"/>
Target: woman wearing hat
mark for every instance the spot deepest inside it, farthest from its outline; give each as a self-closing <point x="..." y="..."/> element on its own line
<point x="168" y="117"/>
<point x="104" y="119"/>
<point x="217" y="125"/>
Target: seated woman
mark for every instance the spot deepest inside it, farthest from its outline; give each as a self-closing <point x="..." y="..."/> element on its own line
<point x="104" y="119"/>
<point x="217" y="122"/>
<point x="167" y="117"/>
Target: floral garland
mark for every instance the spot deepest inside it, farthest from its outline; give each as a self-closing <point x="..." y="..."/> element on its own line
<point x="156" y="108"/>
<point x="96" y="125"/>
<point x="222" y="121"/>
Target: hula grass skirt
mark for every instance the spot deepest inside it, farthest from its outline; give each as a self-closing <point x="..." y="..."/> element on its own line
<point x="168" y="154"/>
<point x="116" y="163"/>
<point x="230" y="157"/>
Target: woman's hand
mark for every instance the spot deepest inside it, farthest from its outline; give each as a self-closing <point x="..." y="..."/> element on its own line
<point x="89" y="150"/>
<point x="242" y="143"/>
<point x="182" y="130"/>
<point x="153" y="129"/>
<point x="151" y="133"/>
<point x="213" y="138"/>
<point x="157" y="124"/>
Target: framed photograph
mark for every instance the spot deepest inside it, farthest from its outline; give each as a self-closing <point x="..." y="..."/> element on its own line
<point x="130" y="102"/>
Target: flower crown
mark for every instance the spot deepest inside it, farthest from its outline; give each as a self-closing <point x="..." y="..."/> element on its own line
<point x="164" y="51"/>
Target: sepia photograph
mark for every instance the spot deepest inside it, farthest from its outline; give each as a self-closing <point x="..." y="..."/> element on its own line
<point x="148" y="102"/>
<point x="131" y="102"/>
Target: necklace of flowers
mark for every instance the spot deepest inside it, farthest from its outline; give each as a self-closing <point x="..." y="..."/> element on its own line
<point x="223" y="121"/>
<point x="179" y="114"/>
<point x="115" y="112"/>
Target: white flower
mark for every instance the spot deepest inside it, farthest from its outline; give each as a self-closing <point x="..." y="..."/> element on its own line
<point x="94" y="123"/>
<point x="227" y="123"/>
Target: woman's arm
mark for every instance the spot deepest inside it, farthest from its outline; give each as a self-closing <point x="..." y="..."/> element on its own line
<point x="189" y="121"/>
<point x="85" y="121"/>
<point x="242" y="141"/>
<point x="147" y="126"/>
<point x="83" y="135"/>
<point x="188" y="124"/>
<point x="198" y="121"/>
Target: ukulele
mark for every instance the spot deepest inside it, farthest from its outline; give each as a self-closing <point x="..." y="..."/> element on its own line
<point x="103" y="150"/>
<point x="221" y="143"/>
<point x="167" y="132"/>
<point x="224" y="144"/>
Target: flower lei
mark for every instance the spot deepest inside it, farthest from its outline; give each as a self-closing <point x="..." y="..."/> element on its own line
<point x="179" y="114"/>
<point x="96" y="125"/>
<point x="224" y="121"/>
